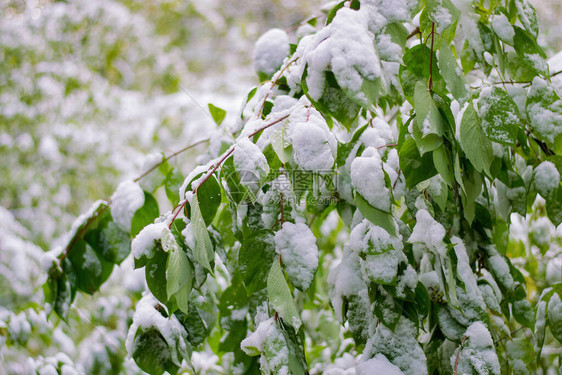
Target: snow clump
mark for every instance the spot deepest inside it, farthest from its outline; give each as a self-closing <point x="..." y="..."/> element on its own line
<point x="297" y="246"/>
<point x="126" y="200"/>
<point x="270" y="51"/>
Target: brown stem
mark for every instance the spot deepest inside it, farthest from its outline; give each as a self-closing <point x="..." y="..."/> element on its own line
<point x="459" y="354"/>
<point x="431" y="57"/>
<point x="387" y="145"/>
<point x="413" y="33"/>
<point x="209" y="174"/>
<point x="165" y="159"/>
<point x="273" y="83"/>
<point x="267" y="126"/>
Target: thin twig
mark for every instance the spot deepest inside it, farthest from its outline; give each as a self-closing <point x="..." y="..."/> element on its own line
<point x="459" y="354"/>
<point x="268" y="125"/>
<point x="431" y="57"/>
<point x="165" y="159"/>
<point x="413" y="33"/>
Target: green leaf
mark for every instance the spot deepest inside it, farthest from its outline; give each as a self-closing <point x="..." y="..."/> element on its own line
<point x="474" y="143"/>
<point x="255" y="258"/>
<point x="108" y="240"/>
<point x="416" y="68"/>
<point x="90" y="268"/>
<point x="208" y="196"/>
<point x="452" y="74"/>
<point x="172" y="185"/>
<point x="155" y="273"/>
<point x="500" y="116"/>
<point x="554" y="208"/>
<point x="280" y="296"/>
<point x="555" y="316"/>
<point x="374" y="215"/>
<point x="203" y="252"/>
<point x="428" y="123"/>
<point x="523" y="313"/>
<point x="152" y="353"/>
<point x="233" y="304"/>
<point x="145" y="215"/>
<point x="179" y="271"/>
<point x="218" y="113"/>
<point x="415" y="167"/>
<point x="443" y="165"/>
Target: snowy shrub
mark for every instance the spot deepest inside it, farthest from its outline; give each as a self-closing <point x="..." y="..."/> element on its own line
<point x="356" y="216"/>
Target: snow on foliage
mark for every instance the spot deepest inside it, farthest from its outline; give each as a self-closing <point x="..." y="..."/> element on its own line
<point x="546" y="178"/>
<point x="270" y="51"/>
<point x="478" y="354"/>
<point x="297" y="246"/>
<point x="126" y="200"/>
<point x="368" y="179"/>
<point x="144" y="244"/>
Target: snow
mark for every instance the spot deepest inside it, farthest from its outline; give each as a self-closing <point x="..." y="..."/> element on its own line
<point x="125" y="201"/>
<point x="400" y="347"/>
<point x="500" y="269"/>
<point x="144" y="244"/>
<point x="378" y="365"/>
<point x="253" y="344"/>
<point x="429" y="232"/>
<point x="250" y="163"/>
<point x="490" y="100"/>
<point x="546" y="178"/>
<point x="477" y="353"/>
<point x="270" y="51"/>
<point x="503" y="28"/>
<point x="555" y="311"/>
<point x="367" y="177"/>
<point x="346" y="48"/>
<point x="545" y="119"/>
<point x="311" y="150"/>
<point x="147" y="316"/>
<point x="442" y="18"/>
<point x="297" y="246"/>
<point x="554" y="270"/>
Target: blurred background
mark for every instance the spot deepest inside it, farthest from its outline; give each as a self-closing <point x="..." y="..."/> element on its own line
<point x="87" y="89"/>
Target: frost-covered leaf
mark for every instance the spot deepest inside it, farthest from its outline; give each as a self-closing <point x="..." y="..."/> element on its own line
<point x="544" y="110"/>
<point x="521" y="355"/>
<point x="368" y="179"/>
<point x="443" y="13"/>
<point x="528" y="16"/>
<point x="500" y="116"/>
<point x="473" y="141"/>
<point x="108" y="239"/>
<point x="529" y="51"/>
<point x="280" y="296"/>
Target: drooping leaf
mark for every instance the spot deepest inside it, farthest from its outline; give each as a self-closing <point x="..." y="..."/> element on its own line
<point x="280" y="296"/>
<point x="255" y="258"/>
<point x="473" y="141"/>
<point x="203" y="252"/>
<point x="374" y="215"/>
